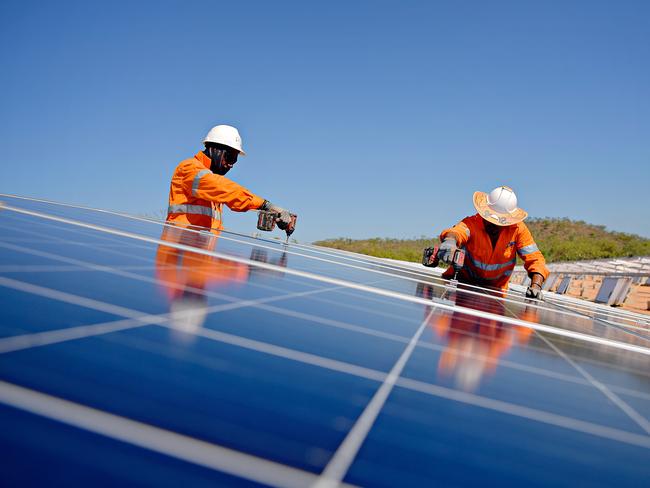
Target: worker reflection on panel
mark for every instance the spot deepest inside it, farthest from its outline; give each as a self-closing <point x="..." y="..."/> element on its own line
<point x="185" y="276"/>
<point x="474" y="344"/>
<point x="261" y="255"/>
<point x="492" y="238"/>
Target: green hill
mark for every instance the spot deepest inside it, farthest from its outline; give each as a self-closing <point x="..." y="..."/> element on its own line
<point x="558" y="239"/>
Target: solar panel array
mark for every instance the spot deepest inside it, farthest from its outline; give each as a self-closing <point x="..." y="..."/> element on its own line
<point x="133" y="352"/>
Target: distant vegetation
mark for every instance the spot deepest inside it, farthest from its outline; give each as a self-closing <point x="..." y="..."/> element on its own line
<point x="558" y="239"/>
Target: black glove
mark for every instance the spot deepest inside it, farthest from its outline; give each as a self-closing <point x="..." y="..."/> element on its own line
<point x="447" y="250"/>
<point x="535" y="288"/>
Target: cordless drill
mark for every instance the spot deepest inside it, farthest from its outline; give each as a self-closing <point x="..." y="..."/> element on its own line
<point x="430" y="259"/>
<point x="266" y="221"/>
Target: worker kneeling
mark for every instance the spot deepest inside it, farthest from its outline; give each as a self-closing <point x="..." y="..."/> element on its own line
<point x="492" y="239"/>
<point x="199" y="188"/>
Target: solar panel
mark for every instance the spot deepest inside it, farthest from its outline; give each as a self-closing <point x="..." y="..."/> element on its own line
<point x="606" y="290"/>
<point x="133" y="352"/>
<point x="564" y="285"/>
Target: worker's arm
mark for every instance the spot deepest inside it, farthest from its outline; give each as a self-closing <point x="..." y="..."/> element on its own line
<point x="460" y="232"/>
<point x="534" y="261"/>
<point x="206" y="185"/>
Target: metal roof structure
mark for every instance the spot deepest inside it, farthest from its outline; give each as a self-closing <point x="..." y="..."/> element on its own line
<point x="137" y="353"/>
<point x="629" y="267"/>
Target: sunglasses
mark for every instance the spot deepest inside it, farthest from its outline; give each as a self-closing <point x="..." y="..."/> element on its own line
<point x="230" y="156"/>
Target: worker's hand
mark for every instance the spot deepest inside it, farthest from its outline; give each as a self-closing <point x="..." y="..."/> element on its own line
<point x="283" y="218"/>
<point x="535" y="288"/>
<point x="447" y="250"/>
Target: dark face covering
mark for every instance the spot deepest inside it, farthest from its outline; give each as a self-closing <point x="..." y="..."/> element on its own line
<point x="222" y="158"/>
<point x="492" y="230"/>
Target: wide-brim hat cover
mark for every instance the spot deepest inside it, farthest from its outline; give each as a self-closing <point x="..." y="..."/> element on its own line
<point x="491" y="207"/>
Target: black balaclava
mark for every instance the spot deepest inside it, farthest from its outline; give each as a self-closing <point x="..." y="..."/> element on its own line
<point x="493" y="230"/>
<point x="222" y="157"/>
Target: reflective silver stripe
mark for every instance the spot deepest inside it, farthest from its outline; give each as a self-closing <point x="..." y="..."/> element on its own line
<point x="528" y="249"/>
<point x="490" y="267"/>
<point x="197" y="180"/>
<point x="466" y="230"/>
<point x="473" y="275"/>
<point x="191" y="209"/>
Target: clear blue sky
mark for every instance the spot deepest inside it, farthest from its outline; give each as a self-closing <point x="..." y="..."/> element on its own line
<point x="367" y="118"/>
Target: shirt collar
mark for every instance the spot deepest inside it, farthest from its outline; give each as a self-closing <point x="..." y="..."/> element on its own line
<point x="203" y="159"/>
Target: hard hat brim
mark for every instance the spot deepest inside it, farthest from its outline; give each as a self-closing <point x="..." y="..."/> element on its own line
<point x="240" y="151"/>
<point x="498" y="218"/>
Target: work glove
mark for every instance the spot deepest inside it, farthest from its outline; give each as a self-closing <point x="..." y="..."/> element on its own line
<point x="283" y="218"/>
<point x="447" y="250"/>
<point x="535" y="288"/>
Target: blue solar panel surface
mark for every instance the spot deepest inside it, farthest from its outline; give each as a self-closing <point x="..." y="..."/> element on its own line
<point x="136" y="353"/>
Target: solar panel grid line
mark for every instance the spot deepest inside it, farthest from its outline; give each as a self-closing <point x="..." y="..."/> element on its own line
<point x="500" y="362"/>
<point x="595" y="307"/>
<point x="610" y="312"/>
<point x="360" y="329"/>
<point x="636" y="331"/>
<point x="630" y="329"/>
<point x="156" y="439"/>
<point x="640" y="325"/>
<point x="620" y="369"/>
<point x="145" y="219"/>
<point x="447" y="287"/>
<point x="536" y="305"/>
<point x="375" y="261"/>
<point x="435" y="273"/>
<point x="56" y="268"/>
<point x="615" y="399"/>
<point x="340" y="463"/>
<point x="72" y="299"/>
<point x="335" y="281"/>
<point x="50" y="337"/>
<point x="537" y="415"/>
<point x="411" y="384"/>
<point x="288" y="353"/>
<point x="53" y="256"/>
<point x="627" y="409"/>
<point x="153" y="221"/>
<point x="46" y="338"/>
<point x="256" y="304"/>
<point x="25" y="341"/>
<point x="586" y="304"/>
<point x="318" y="319"/>
<point x="41" y="253"/>
<point x="428" y="273"/>
<point x="435" y="390"/>
<point x="124" y="272"/>
<point x="344" y="326"/>
<point x="582" y="306"/>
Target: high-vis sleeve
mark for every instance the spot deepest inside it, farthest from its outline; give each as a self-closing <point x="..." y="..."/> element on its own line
<point x="533" y="258"/>
<point x="206" y="185"/>
<point x="460" y="232"/>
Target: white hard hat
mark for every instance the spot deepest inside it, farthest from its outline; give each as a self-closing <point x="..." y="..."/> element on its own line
<point x="226" y="135"/>
<point x="499" y="206"/>
<point x="502" y="200"/>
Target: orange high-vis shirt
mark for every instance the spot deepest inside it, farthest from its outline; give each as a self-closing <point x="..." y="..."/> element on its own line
<point x="196" y="195"/>
<point x="491" y="266"/>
